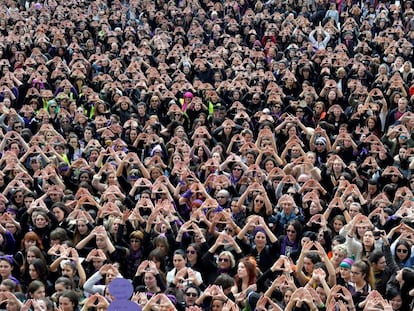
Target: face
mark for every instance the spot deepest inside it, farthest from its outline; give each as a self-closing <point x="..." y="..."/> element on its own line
<point x="5" y="269"/>
<point x="368" y="238"/>
<point x="191" y="254"/>
<point x="191" y="296"/>
<point x="65" y="304"/>
<point x="34" y="275"/>
<point x="381" y="264"/>
<point x="338" y="256"/>
<point x="308" y="265"/>
<point x="40" y="221"/>
<point x="179" y="261"/>
<point x="30" y="257"/>
<point x="260" y="239"/>
<point x="396" y="302"/>
<point x="60" y="288"/>
<point x="401" y="251"/>
<point x="39" y="293"/>
<point x="59" y="214"/>
<point x="100" y="242"/>
<point x="337" y="225"/>
<point x="216" y="305"/>
<point x="68" y="271"/>
<point x="224" y="262"/>
<point x="291" y="233"/>
<point x="321" y="293"/>
<point x="314" y="208"/>
<point x="345" y="273"/>
<point x="356" y="275"/>
<point x="28" y="243"/>
<point x="353" y="210"/>
<point x="150" y="280"/>
<point x="82" y="227"/>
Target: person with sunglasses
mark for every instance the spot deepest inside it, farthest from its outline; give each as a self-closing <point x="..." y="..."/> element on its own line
<point x="403" y="255"/>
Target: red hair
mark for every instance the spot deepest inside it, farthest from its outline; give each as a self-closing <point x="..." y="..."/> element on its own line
<point x="32" y="236"/>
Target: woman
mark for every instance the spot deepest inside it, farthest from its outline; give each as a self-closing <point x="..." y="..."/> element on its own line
<point x="344" y="276"/>
<point x="135" y="256"/>
<point x="43" y="224"/>
<point x="32" y="253"/>
<point x="264" y="247"/>
<point x="191" y="293"/>
<point x="245" y="278"/>
<point x="394" y="297"/>
<point x="148" y="279"/>
<point x="69" y="301"/>
<point x="40" y="272"/>
<point x="362" y="282"/>
<point x="99" y="281"/>
<point x="290" y="242"/>
<point x="82" y="229"/>
<point x="402" y="255"/>
<point x="339" y="253"/>
<point x="180" y="262"/>
<point x="405" y="279"/>
<point x="102" y="241"/>
<point x="36" y="290"/>
<point x="6" y="270"/>
<point x="194" y="253"/>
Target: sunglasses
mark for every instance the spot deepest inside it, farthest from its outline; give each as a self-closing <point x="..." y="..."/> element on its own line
<point x="402" y="250"/>
<point x="223" y="260"/>
<point x="237" y="169"/>
<point x="258" y="201"/>
<point x="190" y="252"/>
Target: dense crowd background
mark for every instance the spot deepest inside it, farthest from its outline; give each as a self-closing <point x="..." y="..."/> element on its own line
<point x="220" y="155"/>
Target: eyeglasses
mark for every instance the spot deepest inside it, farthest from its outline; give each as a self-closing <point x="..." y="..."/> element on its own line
<point x="191" y="294"/>
<point x="191" y="251"/>
<point x="402" y="250"/>
<point x="223" y="259"/>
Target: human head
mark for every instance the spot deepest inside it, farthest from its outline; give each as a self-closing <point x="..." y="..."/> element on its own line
<point x="68" y="300"/>
<point x="36" y="289"/>
<point x="226" y="261"/>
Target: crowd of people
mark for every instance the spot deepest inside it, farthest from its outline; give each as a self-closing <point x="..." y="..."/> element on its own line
<point x="219" y="155"/>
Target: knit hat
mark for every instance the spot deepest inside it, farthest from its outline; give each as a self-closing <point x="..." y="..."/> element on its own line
<point x="346" y="263"/>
